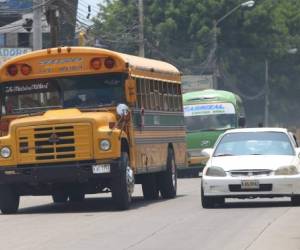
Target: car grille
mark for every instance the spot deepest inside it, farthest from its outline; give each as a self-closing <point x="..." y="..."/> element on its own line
<point x="262" y="188"/>
<point x="54" y="143"/>
<point x="252" y="172"/>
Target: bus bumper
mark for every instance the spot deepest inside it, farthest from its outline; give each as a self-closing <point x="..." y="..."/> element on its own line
<point x="56" y="173"/>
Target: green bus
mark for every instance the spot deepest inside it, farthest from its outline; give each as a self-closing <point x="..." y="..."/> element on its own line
<point x="208" y="113"/>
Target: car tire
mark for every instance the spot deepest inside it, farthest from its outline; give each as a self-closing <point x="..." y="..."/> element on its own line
<point x="9" y="200"/>
<point x="121" y="187"/>
<point x="295" y="200"/>
<point x="211" y="201"/>
<point x="150" y="187"/>
<point x="76" y="196"/>
<point x="60" y="197"/>
<point x="168" y="179"/>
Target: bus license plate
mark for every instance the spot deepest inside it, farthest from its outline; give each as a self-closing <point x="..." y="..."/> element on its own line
<point x="250" y="184"/>
<point x="101" y="169"/>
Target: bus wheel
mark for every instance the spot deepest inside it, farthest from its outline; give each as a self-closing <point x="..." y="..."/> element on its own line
<point x="150" y="187"/>
<point x="59" y="197"/>
<point x="9" y="200"/>
<point x="168" y="178"/>
<point x="122" y="184"/>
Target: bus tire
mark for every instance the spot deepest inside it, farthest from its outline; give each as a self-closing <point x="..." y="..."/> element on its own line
<point x="60" y="197"/>
<point x="9" y="200"/>
<point x="168" y="178"/>
<point x="122" y="184"/>
<point x="150" y="187"/>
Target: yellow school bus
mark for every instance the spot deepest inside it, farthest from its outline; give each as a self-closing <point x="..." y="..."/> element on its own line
<point x="80" y="120"/>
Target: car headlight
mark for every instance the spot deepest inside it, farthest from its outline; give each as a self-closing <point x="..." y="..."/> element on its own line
<point x="286" y="170"/>
<point x="215" y="171"/>
<point x="5" y="152"/>
<point x="105" y="145"/>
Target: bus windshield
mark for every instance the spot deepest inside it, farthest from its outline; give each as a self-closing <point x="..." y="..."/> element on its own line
<point x="89" y="91"/>
<point x="206" y="117"/>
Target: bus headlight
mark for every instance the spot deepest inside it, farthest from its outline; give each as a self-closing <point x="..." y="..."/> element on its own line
<point x="105" y="145"/>
<point x="5" y="152"/>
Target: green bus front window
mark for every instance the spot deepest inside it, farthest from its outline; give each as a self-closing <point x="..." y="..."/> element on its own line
<point x="210" y="122"/>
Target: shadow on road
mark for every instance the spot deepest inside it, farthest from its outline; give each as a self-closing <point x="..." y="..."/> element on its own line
<point x="255" y="204"/>
<point x="97" y="204"/>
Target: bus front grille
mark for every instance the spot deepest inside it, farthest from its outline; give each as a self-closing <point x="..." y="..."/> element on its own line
<point x="55" y="143"/>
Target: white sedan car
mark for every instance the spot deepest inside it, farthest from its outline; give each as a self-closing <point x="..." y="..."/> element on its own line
<point x="251" y="163"/>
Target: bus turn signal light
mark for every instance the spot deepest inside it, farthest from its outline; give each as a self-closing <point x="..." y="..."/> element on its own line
<point x="109" y="63"/>
<point x="12" y="70"/>
<point x="96" y="63"/>
<point x="25" y="69"/>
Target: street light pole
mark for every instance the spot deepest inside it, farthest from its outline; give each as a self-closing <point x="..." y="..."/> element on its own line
<point x="267" y="92"/>
<point x="247" y="4"/>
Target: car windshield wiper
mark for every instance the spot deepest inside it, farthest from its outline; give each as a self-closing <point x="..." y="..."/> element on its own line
<point x="223" y="155"/>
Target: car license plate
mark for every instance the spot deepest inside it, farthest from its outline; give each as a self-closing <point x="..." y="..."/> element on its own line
<point x="101" y="169"/>
<point x="250" y="184"/>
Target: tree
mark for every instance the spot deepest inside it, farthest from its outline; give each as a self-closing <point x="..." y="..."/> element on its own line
<point x="180" y="31"/>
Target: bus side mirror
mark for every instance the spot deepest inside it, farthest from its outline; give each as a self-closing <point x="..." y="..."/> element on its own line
<point x="130" y="91"/>
<point x="242" y="122"/>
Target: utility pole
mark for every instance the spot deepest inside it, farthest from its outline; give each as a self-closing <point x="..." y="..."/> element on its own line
<point x="52" y="14"/>
<point x="141" y="29"/>
<point x="215" y="58"/>
<point x="37" y="24"/>
<point x="267" y="93"/>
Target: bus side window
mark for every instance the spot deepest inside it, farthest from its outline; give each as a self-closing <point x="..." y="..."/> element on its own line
<point x="139" y="94"/>
<point x="151" y="91"/>
<point x="170" y="96"/>
<point x="160" y="94"/>
<point x="165" y="96"/>
<point x="180" y="98"/>
<point x="156" y="95"/>
<point x="147" y="94"/>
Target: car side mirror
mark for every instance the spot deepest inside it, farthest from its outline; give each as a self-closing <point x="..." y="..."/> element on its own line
<point x="130" y="91"/>
<point x="242" y="122"/>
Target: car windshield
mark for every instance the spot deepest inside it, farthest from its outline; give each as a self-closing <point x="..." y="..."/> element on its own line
<point x="254" y="143"/>
<point x="67" y="92"/>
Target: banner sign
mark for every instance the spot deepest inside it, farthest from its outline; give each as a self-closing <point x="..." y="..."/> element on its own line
<point x="209" y="109"/>
<point x="7" y="53"/>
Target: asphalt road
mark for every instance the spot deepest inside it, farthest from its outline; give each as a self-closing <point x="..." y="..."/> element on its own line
<point x="179" y="223"/>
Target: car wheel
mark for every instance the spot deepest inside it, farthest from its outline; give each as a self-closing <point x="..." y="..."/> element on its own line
<point x="295" y="200"/>
<point x="168" y="179"/>
<point x="122" y="184"/>
<point x="211" y="201"/>
<point x="150" y="187"/>
<point x="76" y="196"/>
<point x="9" y="200"/>
<point x="60" y="197"/>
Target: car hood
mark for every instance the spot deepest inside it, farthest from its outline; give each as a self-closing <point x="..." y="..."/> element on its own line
<point x="271" y="162"/>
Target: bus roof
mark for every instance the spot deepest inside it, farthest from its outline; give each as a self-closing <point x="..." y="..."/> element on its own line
<point x="138" y="66"/>
<point x="210" y="95"/>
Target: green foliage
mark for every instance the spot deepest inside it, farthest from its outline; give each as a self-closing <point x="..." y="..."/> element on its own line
<point x="180" y="31"/>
